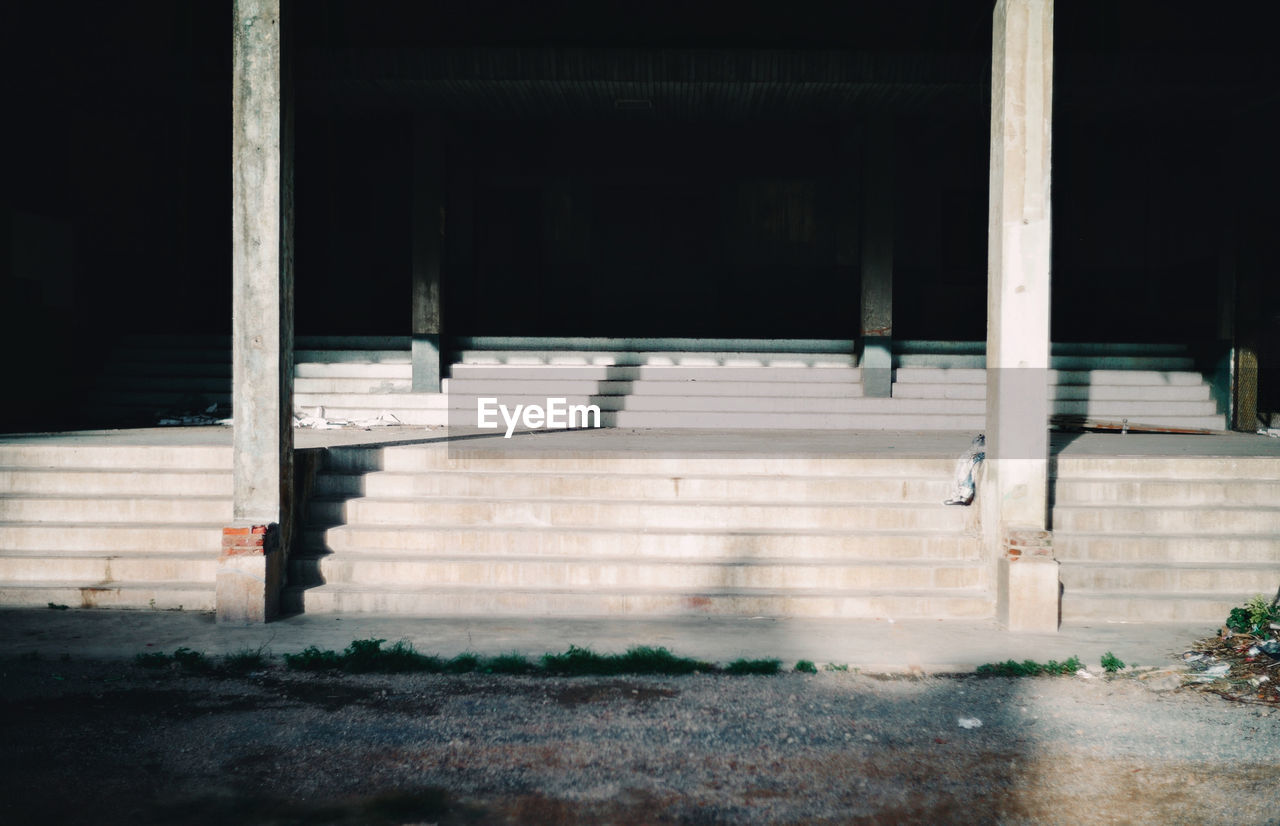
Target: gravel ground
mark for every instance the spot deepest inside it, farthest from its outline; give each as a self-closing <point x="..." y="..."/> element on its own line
<point x="113" y="743"/>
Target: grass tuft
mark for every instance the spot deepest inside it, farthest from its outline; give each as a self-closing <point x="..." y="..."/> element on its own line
<point x="742" y="667"/>
<point x="805" y="667"/>
<point x="513" y="663"/>
<point x="1111" y="663"/>
<point x="1030" y="668"/>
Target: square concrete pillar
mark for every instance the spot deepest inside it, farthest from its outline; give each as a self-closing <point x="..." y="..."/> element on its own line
<point x="876" y="330"/>
<point x="1018" y="291"/>
<point x="262" y="313"/>
<point x="428" y="228"/>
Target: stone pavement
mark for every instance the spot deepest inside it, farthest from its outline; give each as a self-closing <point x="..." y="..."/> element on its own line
<point x="877" y="646"/>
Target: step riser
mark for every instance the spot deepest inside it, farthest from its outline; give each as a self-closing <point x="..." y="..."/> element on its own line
<point x="846" y="375"/>
<point x="98" y="571"/>
<point x="107" y="596"/>
<point x="108" y="483"/>
<point x="1211" y="612"/>
<point x="469" y="604"/>
<point x="136" y="458"/>
<point x="650" y="516"/>
<point x="178" y="509"/>
<point x="119" y="539"/>
<point x="1166" y="550"/>
<point x="351" y="385"/>
<point x="1172" y="494"/>
<point x="1166" y="521"/>
<point x="625" y="574"/>
<point x="1170" y="469"/>
<point x="1229" y="582"/>
<point x="1129" y="394"/>
<point x="541" y="388"/>
<point x="650" y="488"/>
<point x="693" y="547"/>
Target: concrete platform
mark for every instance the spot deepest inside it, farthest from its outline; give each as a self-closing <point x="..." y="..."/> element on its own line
<point x="874" y="646"/>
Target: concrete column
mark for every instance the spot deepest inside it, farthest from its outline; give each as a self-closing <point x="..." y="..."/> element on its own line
<point x="428" y="230"/>
<point x="251" y="567"/>
<point x="877" y="260"/>
<point x="1015" y="509"/>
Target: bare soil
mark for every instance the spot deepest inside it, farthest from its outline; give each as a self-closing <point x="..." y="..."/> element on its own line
<point x="108" y="743"/>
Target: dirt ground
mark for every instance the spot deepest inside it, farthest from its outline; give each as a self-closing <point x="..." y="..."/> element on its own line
<point x="110" y="742"/>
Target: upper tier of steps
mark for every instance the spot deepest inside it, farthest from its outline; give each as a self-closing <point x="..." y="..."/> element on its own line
<point x="119" y="526"/>
<point x="661" y="383"/>
<point x="410" y="529"/>
<point x="1159" y="539"/>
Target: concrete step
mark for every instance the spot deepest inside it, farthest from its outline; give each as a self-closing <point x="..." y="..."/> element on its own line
<point x="642" y="515"/>
<point x="352" y="385"/>
<point x="163" y="596"/>
<point x="731" y="420"/>
<point x="1240" y="580"/>
<point x="352" y="370"/>
<point x="98" y="568"/>
<point x="576" y="344"/>
<point x="104" y="481"/>
<point x="1172" y="468"/>
<point x="1083" y="362"/>
<point x="1159" y="520"/>
<point x="328" y="356"/>
<point x="553" y="573"/>
<point x="1148" y="393"/>
<point x="1171" y="493"/>
<point x="645" y="373"/>
<point x="1166" y="548"/>
<point x="705" y="402"/>
<point x="434" y="457"/>
<point x="1061" y="378"/>
<point x="394" y="402"/>
<point x="413" y="416"/>
<point x="39" y="453"/>
<point x="1210" y="609"/>
<point x="634" y="358"/>
<point x="587" y="602"/>
<point x="452" y="540"/>
<point x="689" y="390"/>
<point x="104" y="508"/>
<point x="123" y="538"/>
<point x="633" y="486"/>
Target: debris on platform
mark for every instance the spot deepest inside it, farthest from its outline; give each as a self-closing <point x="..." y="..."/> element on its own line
<point x="191" y="418"/>
<point x="316" y="420"/>
<point x="963" y="488"/>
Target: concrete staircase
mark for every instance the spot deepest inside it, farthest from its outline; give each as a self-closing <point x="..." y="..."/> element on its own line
<point x="112" y="526"/>
<point x="1146" y="384"/>
<point x="357" y="378"/>
<point x="411" y="530"/>
<point x="1149" y="539"/>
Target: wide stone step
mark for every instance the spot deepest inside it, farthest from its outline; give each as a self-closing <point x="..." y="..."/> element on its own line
<point x="416" y="417"/>
<point x="81" y="481"/>
<point x="657" y="373"/>
<point x="103" y="508"/>
<point x="629" y="573"/>
<point x="51" y="454"/>
<point x="1210" y="609"/>
<point x="633" y="487"/>
<point x="1232" y="579"/>
<point x="351" y="385"/>
<point x="1176" y="493"/>
<point x="707" y="402"/>
<point x="587" y="602"/>
<point x="663" y="358"/>
<point x="352" y="370"/>
<point x="164" y="596"/>
<point x="455" y="540"/>
<point x="1062" y="378"/>
<point x="537" y="390"/>
<point x="1166" y="548"/>
<point x="681" y="459"/>
<point x="1066" y="362"/>
<point x="91" y="568"/>
<point x="1172" y="468"/>
<point x="1143" y="393"/>
<point x="123" y="538"/>
<point x="641" y="515"/>
<point x="1158" y="520"/>
<point x="394" y="402"/>
<point x="794" y="421"/>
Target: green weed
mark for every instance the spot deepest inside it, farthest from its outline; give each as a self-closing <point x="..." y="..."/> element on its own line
<point x="1030" y="668"/>
<point x="805" y="667"/>
<point x="742" y="667"/>
<point x="513" y="663"/>
<point x="1111" y="663"/>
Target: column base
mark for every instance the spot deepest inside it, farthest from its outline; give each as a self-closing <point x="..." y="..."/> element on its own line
<point x="250" y="575"/>
<point x="877" y="366"/>
<point x="1028" y="592"/>
<point x="426" y="364"/>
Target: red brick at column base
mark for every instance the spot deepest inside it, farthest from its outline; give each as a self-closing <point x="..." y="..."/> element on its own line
<point x="250" y="574"/>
